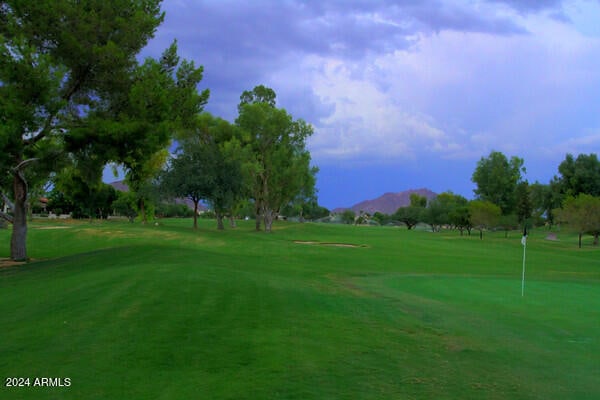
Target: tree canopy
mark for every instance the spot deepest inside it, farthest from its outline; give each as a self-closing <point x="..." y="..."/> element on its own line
<point x="497" y="178"/>
<point x="71" y="84"/>
<point x="484" y="215"/>
<point x="281" y="164"/>
<point x="579" y="175"/>
<point x="582" y="213"/>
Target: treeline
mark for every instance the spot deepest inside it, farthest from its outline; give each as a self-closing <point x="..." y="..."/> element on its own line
<point x="257" y="166"/>
<point x="504" y="200"/>
<point x="70" y="107"/>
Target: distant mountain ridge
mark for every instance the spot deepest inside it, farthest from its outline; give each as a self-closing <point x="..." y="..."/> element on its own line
<point x="387" y="203"/>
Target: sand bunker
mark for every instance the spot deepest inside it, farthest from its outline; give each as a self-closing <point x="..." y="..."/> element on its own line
<point x="328" y="244"/>
<point x="7" y="262"/>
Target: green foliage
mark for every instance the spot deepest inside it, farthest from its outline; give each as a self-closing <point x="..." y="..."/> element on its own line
<point x="409" y="216"/>
<point x="126" y="205"/>
<point x="509" y="223"/>
<point x="484" y="215"/>
<point x="524" y="206"/>
<point x="82" y="194"/>
<point x="544" y="200"/>
<point x="171" y="210"/>
<point x="443" y="210"/>
<point x="497" y="178"/>
<point x="381" y="218"/>
<point x="260" y="94"/>
<point x="579" y="175"/>
<point x="416" y="200"/>
<point x="280" y="168"/>
<point x="72" y="86"/>
<point x="582" y="213"/>
<point x="203" y="168"/>
<point x="348" y="217"/>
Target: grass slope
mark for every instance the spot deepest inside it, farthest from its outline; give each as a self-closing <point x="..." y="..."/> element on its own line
<point x="163" y="312"/>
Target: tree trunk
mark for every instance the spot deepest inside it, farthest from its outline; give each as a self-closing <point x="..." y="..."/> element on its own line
<point x="595" y="238"/>
<point x="269" y="216"/>
<point x="258" y="217"/>
<point x="232" y="222"/>
<point x="481" y="234"/>
<point x="18" y="240"/>
<point x="220" y="225"/>
<point x="143" y="211"/>
<point x="196" y="214"/>
<point x="580" y="239"/>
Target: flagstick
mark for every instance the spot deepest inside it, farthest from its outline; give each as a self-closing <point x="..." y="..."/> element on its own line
<point x="523" y="279"/>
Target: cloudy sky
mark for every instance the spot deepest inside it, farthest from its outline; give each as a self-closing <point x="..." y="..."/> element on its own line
<point x="407" y="93"/>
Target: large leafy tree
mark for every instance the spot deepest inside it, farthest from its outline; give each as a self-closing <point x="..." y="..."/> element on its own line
<point x="409" y="216"/>
<point x="414" y="213"/>
<point x="444" y="210"/>
<point x="226" y="165"/>
<point x="497" y="178"/>
<point x="523" y="202"/>
<point x="70" y="84"/>
<point x="582" y="213"/>
<point x="545" y="199"/>
<point x="579" y="175"/>
<point x="203" y="167"/>
<point x="281" y="164"/>
<point x="484" y="215"/>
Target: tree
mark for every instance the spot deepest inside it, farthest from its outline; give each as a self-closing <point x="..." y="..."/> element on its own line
<point x="70" y="83"/>
<point x="523" y="206"/>
<point x="439" y="210"/>
<point x="416" y="200"/>
<point x="224" y="140"/>
<point x="436" y="214"/>
<point x="142" y="189"/>
<point x="460" y="217"/>
<point x="579" y="175"/>
<point x="281" y="164"/>
<point x="381" y="218"/>
<point x="544" y="200"/>
<point x="260" y="94"/>
<point x="409" y="216"/>
<point x="496" y="178"/>
<point x="508" y="223"/>
<point x="583" y="214"/>
<point x="484" y="215"/>
<point x="125" y="205"/>
<point x="202" y="170"/>
<point x="185" y="177"/>
<point x="88" y="196"/>
<point x="348" y="217"/>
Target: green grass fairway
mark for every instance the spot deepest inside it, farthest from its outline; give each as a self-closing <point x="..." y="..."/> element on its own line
<point x="162" y="312"/>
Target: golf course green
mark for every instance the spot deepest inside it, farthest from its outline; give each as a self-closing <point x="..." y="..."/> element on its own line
<point x="112" y="310"/>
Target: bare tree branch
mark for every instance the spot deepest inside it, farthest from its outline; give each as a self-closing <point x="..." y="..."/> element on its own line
<point x="7" y="200"/>
<point x="23" y="164"/>
<point x="6" y="217"/>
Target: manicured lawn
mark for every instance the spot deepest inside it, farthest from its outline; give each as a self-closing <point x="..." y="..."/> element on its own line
<point x="162" y="312"/>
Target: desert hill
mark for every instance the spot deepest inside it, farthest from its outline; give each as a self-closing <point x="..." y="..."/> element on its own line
<point x="387" y="203"/>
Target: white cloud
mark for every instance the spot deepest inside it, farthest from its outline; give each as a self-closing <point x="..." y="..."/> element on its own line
<point x="459" y="95"/>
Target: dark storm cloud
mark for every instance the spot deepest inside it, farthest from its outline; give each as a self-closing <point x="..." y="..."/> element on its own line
<point x="531" y="5"/>
<point x="240" y="44"/>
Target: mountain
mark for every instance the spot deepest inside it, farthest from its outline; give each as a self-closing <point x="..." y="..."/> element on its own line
<point x="388" y="203"/>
